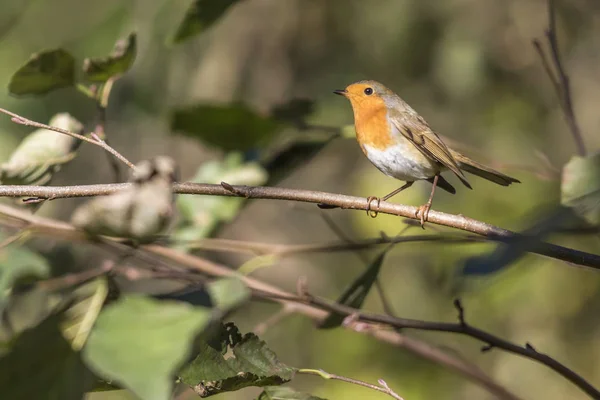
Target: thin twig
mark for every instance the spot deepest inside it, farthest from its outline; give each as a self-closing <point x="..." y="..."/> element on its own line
<point x="98" y="142"/>
<point x="339" y="200"/>
<point x="61" y="230"/>
<point x="76" y="278"/>
<point x="284" y="250"/>
<point x="100" y="129"/>
<point x="463" y="328"/>
<point x="384" y="388"/>
<point x="285" y="311"/>
<point x="385" y="302"/>
<point x="561" y="83"/>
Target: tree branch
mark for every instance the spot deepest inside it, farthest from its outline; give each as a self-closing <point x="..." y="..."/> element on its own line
<point x="339" y="200"/>
<point x="561" y="83"/>
<point x="462" y="327"/>
<point x="61" y="230"/>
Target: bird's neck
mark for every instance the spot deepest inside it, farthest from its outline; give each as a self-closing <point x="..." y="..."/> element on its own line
<point x="372" y="127"/>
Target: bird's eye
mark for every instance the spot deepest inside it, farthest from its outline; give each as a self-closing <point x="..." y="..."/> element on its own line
<point x="368" y="91"/>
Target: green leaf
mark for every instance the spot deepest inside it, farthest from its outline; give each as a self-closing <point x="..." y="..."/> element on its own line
<point x="42" y="153"/>
<point x="44" y="72"/>
<point x="100" y="69"/>
<point x="229" y="127"/>
<point x="237" y="362"/>
<point x="199" y="16"/>
<point x="348" y="132"/>
<point x="24" y="310"/>
<point x="258" y="262"/>
<point x="140" y="343"/>
<point x="227" y="293"/>
<point x="87" y="301"/>
<point x="354" y="296"/>
<point x="19" y="263"/>
<point x="296" y="151"/>
<point x="580" y="188"/>
<point x="42" y="365"/>
<point x="200" y="215"/>
<point x="285" y="393"/>
<point x="295" y="111"/>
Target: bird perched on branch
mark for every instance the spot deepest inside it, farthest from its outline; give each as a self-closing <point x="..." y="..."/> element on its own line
<point x="400" y="143"/>
<point x="139" y="212"/>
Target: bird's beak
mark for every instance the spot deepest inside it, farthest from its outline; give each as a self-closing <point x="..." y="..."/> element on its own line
<point x="341" y="92"/>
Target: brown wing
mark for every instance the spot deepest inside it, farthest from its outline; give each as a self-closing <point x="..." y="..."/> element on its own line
<point x="416" y="129"/>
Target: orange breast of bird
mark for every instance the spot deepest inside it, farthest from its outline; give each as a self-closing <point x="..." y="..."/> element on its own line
<point x="372" y="127"/>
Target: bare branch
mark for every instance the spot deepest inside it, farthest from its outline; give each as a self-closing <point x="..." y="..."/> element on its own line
<point x="197" y="265"/>
<point x="339" y="200"/>
<point x="561" y="83"/>
<point x="317" y="309"/>
<point x="463" y="328"/>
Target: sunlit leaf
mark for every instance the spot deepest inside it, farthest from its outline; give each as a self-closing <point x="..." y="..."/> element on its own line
<point x="42" y="153"/>
<point x="256" y="263"/>
<point x="354" y="296"/>
<point x="237" y="362"/>
<point x="140" y="343"/>
<point x="285" y="393"/>
<point x="227" y="293"/>
<point x="42" y="365"/>
<point x="348" y="131"/>
<point x="200" y="15"/>
<point x="200" y="215"/>
<point x="100" y="69"/>
<point x="44" y="72"/>
<point x="229" y="127"/>
<point x="87" y="301"/>
<point x="580" y="188"/>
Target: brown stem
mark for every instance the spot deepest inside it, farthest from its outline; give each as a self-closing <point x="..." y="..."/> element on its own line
<point x="339" y="200"/>
<point x="561" y="83"/>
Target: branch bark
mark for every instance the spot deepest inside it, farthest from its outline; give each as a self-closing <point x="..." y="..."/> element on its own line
<point x="61" y="230"/>
<point x="308" y="196"/>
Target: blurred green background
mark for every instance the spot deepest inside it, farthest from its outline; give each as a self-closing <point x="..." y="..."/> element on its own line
<point x="467" y="66"/>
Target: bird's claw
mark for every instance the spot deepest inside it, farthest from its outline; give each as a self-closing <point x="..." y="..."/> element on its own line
<point x="423" y="213"/>
<point x="370" y="212"/>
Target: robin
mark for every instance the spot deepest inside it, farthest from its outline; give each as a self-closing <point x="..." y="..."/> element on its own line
<point x="400" y="143"/>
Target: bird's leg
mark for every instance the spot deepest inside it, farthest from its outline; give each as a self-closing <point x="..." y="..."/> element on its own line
<point x="424" y="209"/>
<point x="373" y="213"/>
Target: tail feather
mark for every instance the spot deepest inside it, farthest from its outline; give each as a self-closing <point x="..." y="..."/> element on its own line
<point x="475" y="168"/>
<point x="444" y="184"/>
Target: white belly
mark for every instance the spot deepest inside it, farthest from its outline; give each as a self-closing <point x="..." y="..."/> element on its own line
<point x="401" y="161"/>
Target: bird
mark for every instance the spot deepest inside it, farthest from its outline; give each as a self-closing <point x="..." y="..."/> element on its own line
<point x="401" y="144"/>
<point x="138" y="212"/>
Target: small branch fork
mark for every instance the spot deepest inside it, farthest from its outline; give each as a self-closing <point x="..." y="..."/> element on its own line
<point x="560" y="80"/>
<point x="317" y="309"/>
<point x="382" y="387"/>
<point x="462" y="327"/>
